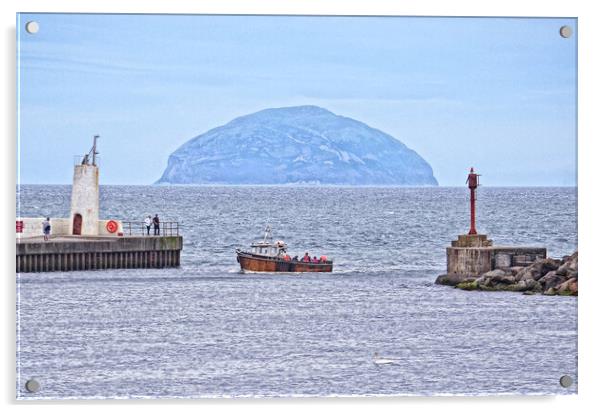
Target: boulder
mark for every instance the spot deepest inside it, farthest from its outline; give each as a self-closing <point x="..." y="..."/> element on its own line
<point x="453" y="279"/>
<point x="563" y="269"/>
<point x="563" y="287"/>
<point x="569" y="287"/>
<point x="525" y="273"/>
<point x="516" y="270"/>
<point x="551" y="280"/>
<point x="468" y="285"/>
<point x="524" y="285"/>
<point x="494" y="273"/>
<point x="520" y="286"/>
<point x="483" y="281"/>
<point x="550" y="264"/>
<point x="537" y="274"/>
<point x="547" y="276"/>
<point x="574" y="287"/>
<point x="533" y="285"/>
<point x="542" y="267"/>
<point x="500" y="277"/>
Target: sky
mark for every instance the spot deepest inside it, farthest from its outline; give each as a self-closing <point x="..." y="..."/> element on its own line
<point x="497" y="94"/>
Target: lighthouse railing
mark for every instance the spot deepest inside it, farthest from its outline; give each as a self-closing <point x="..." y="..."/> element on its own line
<point x="138" y="228"/>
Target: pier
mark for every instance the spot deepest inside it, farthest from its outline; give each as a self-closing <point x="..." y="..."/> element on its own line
<point x="67" y="253"/>
<point x="474" y="253"/>
<point x="474" y="263"/>
<point x="471" y="255"/>
<point x="85" y="242"/>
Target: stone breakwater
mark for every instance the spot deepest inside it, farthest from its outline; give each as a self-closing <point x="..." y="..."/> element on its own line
<point x="547" y="276"/>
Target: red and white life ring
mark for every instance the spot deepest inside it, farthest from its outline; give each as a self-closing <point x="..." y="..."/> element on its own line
<point x="112" y="226"/>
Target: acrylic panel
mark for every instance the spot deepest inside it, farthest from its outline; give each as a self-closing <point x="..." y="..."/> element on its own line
<point x="237" y="206"/>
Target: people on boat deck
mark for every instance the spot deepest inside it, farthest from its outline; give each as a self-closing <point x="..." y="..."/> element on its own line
<point x="306" y="258"/>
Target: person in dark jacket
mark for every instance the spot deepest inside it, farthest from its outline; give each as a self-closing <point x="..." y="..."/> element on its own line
<point x="156" y="224"/>
<point x="46" y="229"/>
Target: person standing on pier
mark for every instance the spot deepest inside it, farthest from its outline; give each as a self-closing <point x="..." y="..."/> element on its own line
<point x="156" y="224"/>
<point x="147" y="222"/>
<point x="46" y="229"/>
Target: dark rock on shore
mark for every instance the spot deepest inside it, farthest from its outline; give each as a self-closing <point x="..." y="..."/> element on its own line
<point x="453" y="279"/>
<point x="547" y="276"/>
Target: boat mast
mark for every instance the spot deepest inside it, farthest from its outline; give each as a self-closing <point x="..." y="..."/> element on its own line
<point x="268" y="233"/>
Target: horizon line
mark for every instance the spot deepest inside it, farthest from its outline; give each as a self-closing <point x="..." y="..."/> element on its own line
<point x="309" y="185"/>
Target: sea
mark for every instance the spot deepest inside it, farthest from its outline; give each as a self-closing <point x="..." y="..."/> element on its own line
<point x="208" y="330"/>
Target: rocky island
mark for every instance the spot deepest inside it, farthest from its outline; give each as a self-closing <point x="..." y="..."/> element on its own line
<point x="548" y="276"/>
<point x="296" y="145"/>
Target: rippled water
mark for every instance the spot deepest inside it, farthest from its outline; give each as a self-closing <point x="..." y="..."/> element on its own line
<point x="205" y="329"/>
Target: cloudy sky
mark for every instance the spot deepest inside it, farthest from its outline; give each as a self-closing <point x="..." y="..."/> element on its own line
<point x="494" y="93"/>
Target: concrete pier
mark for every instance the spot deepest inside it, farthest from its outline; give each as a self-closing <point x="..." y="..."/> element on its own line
<point x="472" y="255"/>
<point x="97" y="253"/>
<point x="473" y="262"/>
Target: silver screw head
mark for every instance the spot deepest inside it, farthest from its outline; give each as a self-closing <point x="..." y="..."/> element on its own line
<point x="32" y="385"/>
<point x="32" y="27"/>
<point x="566" y="31"/>
<point x="566" y="381"/>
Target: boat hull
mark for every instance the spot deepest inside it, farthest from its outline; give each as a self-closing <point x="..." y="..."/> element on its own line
<point x="257" y="263"/>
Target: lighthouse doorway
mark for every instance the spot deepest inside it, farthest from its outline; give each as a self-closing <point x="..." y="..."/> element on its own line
<point x="77" y="224"/>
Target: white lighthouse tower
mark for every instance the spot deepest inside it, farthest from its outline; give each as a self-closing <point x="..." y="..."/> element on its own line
<point x="85" y="195"/>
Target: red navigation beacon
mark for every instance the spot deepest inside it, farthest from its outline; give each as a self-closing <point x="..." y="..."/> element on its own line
<point x="473" y="183"/>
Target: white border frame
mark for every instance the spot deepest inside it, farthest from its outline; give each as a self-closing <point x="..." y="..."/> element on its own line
<point x="590" y="31"/>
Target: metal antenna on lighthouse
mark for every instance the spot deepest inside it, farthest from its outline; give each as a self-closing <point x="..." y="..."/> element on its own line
<point x="473" y="183"/>
<point x="94" y="153"/>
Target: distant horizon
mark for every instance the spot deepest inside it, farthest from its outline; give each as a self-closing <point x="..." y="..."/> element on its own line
<point x="314" y="185"/>
<point x="497" y="94"/>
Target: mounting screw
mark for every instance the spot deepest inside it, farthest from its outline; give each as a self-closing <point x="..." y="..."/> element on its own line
<point x="32" y="385"/>
<point x="32" y="27"/>
<point x="566" y="31"/>
<point x="566" y="381"/>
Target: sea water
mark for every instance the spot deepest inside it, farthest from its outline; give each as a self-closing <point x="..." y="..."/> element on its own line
<point x="206" y="329"/>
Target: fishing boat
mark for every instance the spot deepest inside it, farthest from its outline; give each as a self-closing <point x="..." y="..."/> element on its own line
<point x="272" y="256"/>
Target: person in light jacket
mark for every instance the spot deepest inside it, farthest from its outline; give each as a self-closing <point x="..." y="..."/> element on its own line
<point x="147" y="222"/>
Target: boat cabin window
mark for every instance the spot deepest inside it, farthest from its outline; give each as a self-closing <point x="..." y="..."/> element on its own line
<point x="268" y="250"/>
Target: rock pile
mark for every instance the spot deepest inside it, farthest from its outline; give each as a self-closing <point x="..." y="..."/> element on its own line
<point x="548" y="276"/>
